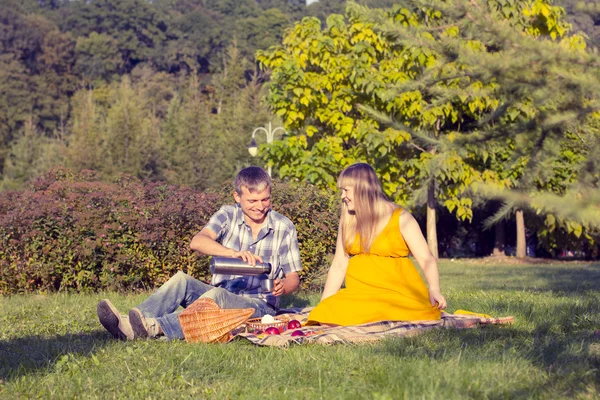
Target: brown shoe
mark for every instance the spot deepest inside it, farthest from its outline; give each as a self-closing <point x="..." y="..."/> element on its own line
<point x="143" y="327"/>
<point x="111" y="319"/>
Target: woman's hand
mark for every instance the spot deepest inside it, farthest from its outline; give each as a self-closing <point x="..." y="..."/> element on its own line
<point x="437" y="300"/>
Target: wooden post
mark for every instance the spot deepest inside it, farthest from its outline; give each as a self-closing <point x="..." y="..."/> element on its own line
<point x="521" y="242"/>
<point x="431" y="223"/>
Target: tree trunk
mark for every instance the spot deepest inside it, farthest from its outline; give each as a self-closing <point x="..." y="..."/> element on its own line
<point x="431" y="227"/>
<point x="499" y="240"/>
<point x="521" y="244"/>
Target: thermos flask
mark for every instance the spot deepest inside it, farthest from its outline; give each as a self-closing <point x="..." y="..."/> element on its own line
<point x="236" y="266"/>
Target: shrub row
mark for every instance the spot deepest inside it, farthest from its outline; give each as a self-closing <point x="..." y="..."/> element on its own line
<point x="71" y="232"/>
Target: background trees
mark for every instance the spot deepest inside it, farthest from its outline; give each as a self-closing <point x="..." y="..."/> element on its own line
<point x="336" y="85"/>
<point x="168" y="90"/>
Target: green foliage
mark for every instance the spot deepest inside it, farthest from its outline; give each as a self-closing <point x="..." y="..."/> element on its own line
<point x="132" y="136"/>
<point x="199" y="32"/>
<point x="558" y="178"/>
<point x="29" y="156"/>
<point x="316" y="215"/>
<point x="584" y="16"/>
<point x="72" y="232"/>
<point x="166" y="48"/>
<point x="548" y="93"/>
<point x="135" y="26"/>
<point x="98" y="58"/>
<point x="334" y="86"/>
<point x="35" y="74"/>
<point x="262" y="31"/>
<point x="115" y="132"/>
<point x="206" y="132"/>
<point x="158" y="128"/>
<point x="463" y="101"/>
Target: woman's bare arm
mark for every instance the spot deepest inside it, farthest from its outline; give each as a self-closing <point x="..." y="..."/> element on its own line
<point x="411" y="232"/>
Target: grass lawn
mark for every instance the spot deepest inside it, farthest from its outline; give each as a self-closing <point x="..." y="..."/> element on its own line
<point x="54" y="347"/>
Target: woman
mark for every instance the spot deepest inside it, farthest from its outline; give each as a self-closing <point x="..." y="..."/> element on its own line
<point x="375" y="237"/>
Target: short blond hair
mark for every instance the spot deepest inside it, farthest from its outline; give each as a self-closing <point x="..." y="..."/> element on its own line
<point x="255" y="179"/>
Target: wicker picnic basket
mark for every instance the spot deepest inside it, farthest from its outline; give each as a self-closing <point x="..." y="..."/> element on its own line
<point x="255" y="325"/>
<point x="204" y="321"/>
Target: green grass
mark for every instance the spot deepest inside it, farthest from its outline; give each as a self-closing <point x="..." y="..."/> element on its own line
<point x="53" y="346"/>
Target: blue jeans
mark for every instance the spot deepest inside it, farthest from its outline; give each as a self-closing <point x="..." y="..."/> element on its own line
<point x="183" y="290"/>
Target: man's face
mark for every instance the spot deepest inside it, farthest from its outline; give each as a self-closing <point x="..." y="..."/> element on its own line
<point x="255" y="205"/>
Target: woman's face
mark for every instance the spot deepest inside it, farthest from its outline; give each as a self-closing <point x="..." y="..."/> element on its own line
<point x="348" y="197"/>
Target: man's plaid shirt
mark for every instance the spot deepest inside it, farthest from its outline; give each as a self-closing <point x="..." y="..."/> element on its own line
<point x="276" y="243"/>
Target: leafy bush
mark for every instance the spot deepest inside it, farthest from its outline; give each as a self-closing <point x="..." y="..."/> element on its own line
<point x="316" y="217"/>
<point x="70" y="232"/>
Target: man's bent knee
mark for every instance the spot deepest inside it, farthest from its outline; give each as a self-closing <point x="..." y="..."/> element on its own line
<point x="216" y="294"/>
<point x="180" y="276"/>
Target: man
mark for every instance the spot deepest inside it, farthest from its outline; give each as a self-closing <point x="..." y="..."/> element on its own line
<point x="248" y="230"/>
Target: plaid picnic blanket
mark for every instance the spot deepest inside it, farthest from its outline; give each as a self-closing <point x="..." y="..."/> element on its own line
<point x="364" y="333"/>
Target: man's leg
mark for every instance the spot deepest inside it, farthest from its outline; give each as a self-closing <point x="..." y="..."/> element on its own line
<point x="111" y="319"/>
<point x="225" y="299"/>
<point x="180" y="290"/>
<point x="171" y="327"/>
<point x="158" y="309"/>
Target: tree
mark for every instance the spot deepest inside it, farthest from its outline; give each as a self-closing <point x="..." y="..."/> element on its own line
<point x="31" y="154"/>
<point x="132" y="139"/>
<point x="207" y="131"/>
<point x="187" y="137"/>
<point x="98" y="58"/>
<point x="261" y="32"/>
<point x="562" y="174"/>
<point x="86" y="131"/>
<point x="335" y="87"/>
<point x="135" y="25"/>
<point x="548" y="96"/>
<point x="115" y="130"/>
<point x="585" y="17"/>
<point x="35" y="75"/>
<point x="196" y="36"/>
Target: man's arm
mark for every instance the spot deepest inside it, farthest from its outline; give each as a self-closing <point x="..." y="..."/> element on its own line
<point x="206" y="243"/>
<point x="290" y="263"/>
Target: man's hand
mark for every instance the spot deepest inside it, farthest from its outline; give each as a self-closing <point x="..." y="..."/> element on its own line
<point x="278" y="289"/>
<point x="247" y="256"/>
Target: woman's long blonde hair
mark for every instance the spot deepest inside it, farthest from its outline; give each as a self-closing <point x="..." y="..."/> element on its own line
<point x="370" y="205"/>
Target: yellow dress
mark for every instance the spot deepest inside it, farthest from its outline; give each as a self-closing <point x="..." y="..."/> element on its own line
<point x="380" y="285"/>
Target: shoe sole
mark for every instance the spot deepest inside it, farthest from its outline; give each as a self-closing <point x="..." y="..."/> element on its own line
<point x="135" y="319"/>
<point x="109" y="317"/>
